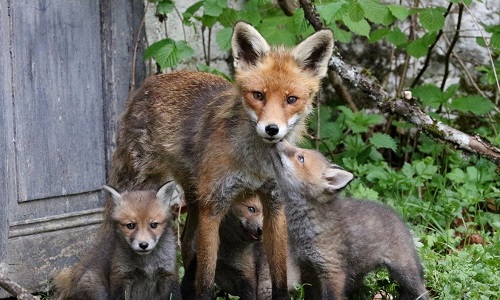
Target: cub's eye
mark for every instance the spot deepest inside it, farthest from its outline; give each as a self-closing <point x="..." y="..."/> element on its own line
<point x="258" y="96"/>
<point x="291" y="99"/>
<point x="300" y="158"/>
<point x="153" y="224"/>
<point x="130" y="225"/>
<point x="251" y="209"/>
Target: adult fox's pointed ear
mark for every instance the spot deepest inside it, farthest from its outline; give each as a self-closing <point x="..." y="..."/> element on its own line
<point x="115" y="195"/>
<point x="313" y="53"/>
<point x="336" y="178"/>
<point x="248" y="45"/>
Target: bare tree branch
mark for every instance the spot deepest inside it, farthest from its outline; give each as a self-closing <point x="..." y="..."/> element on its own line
<point x="15" y="289"/>
<point x="407" y="108"/>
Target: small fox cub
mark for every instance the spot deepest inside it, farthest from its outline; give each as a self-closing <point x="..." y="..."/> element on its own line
<point x="336" y="242"/>
<point x="135" y="261"/>
<point x="215" y="138"/>
<point x="242" y="268"/>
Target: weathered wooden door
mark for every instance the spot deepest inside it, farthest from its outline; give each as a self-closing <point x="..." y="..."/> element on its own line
<point x="64" y="76"/>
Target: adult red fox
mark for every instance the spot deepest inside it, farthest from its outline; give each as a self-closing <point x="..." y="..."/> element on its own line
<point x="136" y="260"/>
<point x="336" y="242"/>
<point x="215" y="139"/>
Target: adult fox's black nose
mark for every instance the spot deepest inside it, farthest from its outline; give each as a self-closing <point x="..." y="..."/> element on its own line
<point x="272" y="129"/>
<point x="143" y="245"/>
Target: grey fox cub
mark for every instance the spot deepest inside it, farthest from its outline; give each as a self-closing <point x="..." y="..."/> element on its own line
<point x="336" y="242"/>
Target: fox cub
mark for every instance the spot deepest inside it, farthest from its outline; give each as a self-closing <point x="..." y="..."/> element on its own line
<point x="336" y="242"/>
<point x="242" y="268"/>
<point x="215" y="138"/>
<point x="135" y="261"/>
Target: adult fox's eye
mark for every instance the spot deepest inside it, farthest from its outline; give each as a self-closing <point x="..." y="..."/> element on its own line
<point x="131" y="225"/>
<point x="153" y="225"/>
<point x="258" y="96"/>
<point x="300" y="158"/>
<point x="251" y="209"/>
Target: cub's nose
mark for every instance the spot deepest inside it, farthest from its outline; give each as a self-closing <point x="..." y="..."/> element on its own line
<point x="259" y="230"/>
<point x="143" y="245"/>
<point x="272" y="129"/>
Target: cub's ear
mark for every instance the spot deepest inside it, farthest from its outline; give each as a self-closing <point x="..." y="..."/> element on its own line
<point x="165" y="192"/>
<point x="313" y="53"/>
<point x="248" y="45"/>
<point x="336" y="178"/>
<point x="115" y="195"/>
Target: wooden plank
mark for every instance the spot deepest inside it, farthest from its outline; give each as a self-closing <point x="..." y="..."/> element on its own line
<point x="58" y="97"/>
<point x="34" y="259"/>
<point x="120" y="20"/>
<point x="7" y="181"/>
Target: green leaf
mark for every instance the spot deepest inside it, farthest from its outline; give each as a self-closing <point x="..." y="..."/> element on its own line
<point x="495" y="42"/>
<point x="360" y="28"/>
<point x="399" y="11"/>
<point x="397" y="37"/>
<point x="382" y="140"/>
<point x="214" y="7"/>
<point x="341" y="35"/>
<point x="417" y="48"/>
<point x="168" y="53"/>
<point x="277" y="30"/>
<point x="190" y="11"/>
<point x="429" y="94"/>
<point x="378" y="34"/>
<point x="223" y="38"/>
<point x="375" y="11"/>
<point x="228" y="17"/>
<point x="329" y="11"/>
<point x="450" y="91"/>
<point x="165" y="7"/>
<point x="475" y="104"/>
<point x="355" y="11"/>
<point x="432" y="19"/>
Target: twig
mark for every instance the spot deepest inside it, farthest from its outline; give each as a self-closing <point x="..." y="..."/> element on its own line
<point x="341" y="90"/>
<point x="487" y="46"/>
<point x="452" y="45"/>
<point x="429" y="51"/>
<point x="413" y="114"/>
<point x="132" y="76"/>
<point x="311" y="14"/>
<point x="15" y="289"/>
<point x="407" y="108"/>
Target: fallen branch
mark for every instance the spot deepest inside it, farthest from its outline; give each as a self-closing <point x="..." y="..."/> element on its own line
<point x="405" y="107"/>
<point x="15" y="289"/>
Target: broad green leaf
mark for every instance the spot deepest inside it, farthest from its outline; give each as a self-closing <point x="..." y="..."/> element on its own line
<point x="475" y="104"/>
<point x="432" y="19"/>
<point x="168" y="53"/>
<point x="397" y="37"/>
<point x="495" y="42"/>
<point x="329" y="10"/>
<point x="378" y="34"/>
<point x="340" y="35"/>
<point x="399" y="11"/>
<point x="228" y="17"/>
<point x="375" y="11"/>
<point x="429" y="94"/>
<point x="360" y="28"/>
<point x="214" y="7"/>
<point x="190" y="11"/>
<point x="382" y="140"/>
<point x="355" y="11"/>
<point x="300" y="24"/>
<point x="165" y="7"/>
<point x="417" y="48"/>
<point x="456" y="175"/>
<point x="223" y="38"/>
<point x="277" y="30"/>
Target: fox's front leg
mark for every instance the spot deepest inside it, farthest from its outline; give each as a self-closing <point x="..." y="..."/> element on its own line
<point x="275" y="239"/>
<point x="208" y="245"/>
